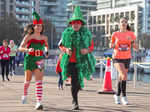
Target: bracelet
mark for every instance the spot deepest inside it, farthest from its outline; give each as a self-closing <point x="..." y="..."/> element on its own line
<point x="26" y="50"/>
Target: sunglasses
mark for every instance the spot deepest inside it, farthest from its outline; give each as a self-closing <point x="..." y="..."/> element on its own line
<point x="76" y="22"/>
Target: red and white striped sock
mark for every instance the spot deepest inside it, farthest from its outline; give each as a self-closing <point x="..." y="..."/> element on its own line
<point x="26" y="86"/>
<point x="39" y="90"/>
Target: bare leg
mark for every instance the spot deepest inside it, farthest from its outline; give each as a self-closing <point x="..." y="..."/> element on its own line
<point x="28" y="77"/>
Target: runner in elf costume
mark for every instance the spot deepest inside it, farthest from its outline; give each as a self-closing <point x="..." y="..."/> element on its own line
<point x="34" y="44"/>
<point x="77" y="61"/>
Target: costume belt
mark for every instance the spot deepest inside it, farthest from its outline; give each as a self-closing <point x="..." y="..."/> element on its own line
<point x="36" y="53"/>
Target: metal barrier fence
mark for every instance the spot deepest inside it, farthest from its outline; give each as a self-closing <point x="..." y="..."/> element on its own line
<point x="142" y="65"/>
<point x="50" y="65"/>
<point x="114" y="73"/>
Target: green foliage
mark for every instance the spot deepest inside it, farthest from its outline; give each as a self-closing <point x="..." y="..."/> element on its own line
<point x="145" y="41"/>
<point x="50" y="32"/>
<point x="10" y="28"/>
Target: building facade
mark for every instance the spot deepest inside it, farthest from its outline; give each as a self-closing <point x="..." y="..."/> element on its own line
<point x="21" y="9"/>
<point x="144" y="4"/>
<point x="85" y="6"/>
<point x="55" y="10"/>
<point x="105" y="21"/>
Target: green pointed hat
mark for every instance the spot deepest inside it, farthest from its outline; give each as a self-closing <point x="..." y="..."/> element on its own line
<point x="77" y="15"/>
<point x="37" y="19"/>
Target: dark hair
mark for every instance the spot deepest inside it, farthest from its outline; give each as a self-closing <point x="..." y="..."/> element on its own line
<point x="28" y="28"/>
<point x="128" y="27"/>
<point x="42" y="29"/>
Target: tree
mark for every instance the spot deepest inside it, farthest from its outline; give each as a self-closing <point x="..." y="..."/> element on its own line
<point x="50" y="32"/>
<point x="10" y="28"/>
<point x="145" y="41"/>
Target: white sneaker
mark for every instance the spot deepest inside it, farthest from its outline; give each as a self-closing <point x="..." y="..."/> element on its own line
<point x="24" y="99"/>
<point x="39" y="106"/>
<point x="124" y="100"/>
<point x="117" y="99"/>
<point x="13" y="73"/>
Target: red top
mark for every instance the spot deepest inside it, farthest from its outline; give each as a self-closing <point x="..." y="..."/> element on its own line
<point x="73" y="56"/>
<point x="58" y="68"/>
<point x="4" y="53"/>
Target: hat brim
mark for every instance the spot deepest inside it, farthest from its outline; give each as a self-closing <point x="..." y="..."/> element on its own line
<point x="75" y="19"/>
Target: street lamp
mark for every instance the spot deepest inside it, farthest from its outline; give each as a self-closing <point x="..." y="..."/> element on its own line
<point x="52" y="33"/>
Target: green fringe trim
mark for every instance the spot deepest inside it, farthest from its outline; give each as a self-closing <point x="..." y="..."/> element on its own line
<point x="85" y="63"/>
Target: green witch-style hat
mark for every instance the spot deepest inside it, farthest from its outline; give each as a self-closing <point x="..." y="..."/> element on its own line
<point x="37" y="19"/>
<point x="77" y="15"/>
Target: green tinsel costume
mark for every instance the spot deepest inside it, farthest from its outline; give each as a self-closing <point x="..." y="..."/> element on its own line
<point x="29" y="60"/>
<point x="85" y="63"/>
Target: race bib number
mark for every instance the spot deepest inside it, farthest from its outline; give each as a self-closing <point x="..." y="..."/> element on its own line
<point x="123" y="47"/>
<point x="5" y="55"/>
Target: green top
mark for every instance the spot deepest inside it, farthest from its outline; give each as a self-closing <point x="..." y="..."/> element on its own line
<point x="13" y="50"/>
<point x="85" y="63"/>
<point x="29" y="60"/>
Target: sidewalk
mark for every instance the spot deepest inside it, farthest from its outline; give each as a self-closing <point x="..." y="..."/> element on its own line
<point x="55" y="100"/>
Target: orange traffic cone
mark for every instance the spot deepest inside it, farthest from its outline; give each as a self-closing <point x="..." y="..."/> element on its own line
<point x="107" y="85"/>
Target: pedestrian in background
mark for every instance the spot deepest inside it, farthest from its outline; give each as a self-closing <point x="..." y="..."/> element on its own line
<point x="4" y="52"/>
<point x="58" y="71"/>
<point x="13" y="51"/>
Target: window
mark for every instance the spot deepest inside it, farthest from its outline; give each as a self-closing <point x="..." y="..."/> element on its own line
<point x="11" y="7"/>
<point x="11" y="1"/>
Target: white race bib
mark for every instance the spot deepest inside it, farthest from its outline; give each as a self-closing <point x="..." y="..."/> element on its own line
<point x="5" y="55"/>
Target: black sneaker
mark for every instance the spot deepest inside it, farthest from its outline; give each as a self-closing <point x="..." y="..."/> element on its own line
<point x="3" y="80"/>
<point x="7" y="78"/>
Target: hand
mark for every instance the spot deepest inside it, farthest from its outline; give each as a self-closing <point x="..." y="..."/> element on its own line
<point x="84" y="51"/>
<point x="30" y="50"/>
<point x="47" y="54"/>
<point x="1" y="52"/>
<point x="68" y="51"/>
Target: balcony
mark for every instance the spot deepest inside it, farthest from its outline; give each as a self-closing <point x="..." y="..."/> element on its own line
<point x="22" y="19"/>
<point x="22" y="11"/>
<point x="23" y="4"/>
<point x="48" y="3"/>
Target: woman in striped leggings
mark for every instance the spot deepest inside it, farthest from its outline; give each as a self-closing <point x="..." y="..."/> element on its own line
<point x="34" y="44"/>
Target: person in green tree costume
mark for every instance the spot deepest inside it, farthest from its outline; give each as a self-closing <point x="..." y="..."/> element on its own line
<point x="77" y="61"/>
<point x="34" y="44"/>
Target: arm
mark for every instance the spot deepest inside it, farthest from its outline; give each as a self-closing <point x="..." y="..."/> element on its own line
<point x="135" y="45"/>
<point x="46" y="46"/>
<point x="22" y="46"/>
<point x="112" y="42"/>
<point x="90" y="49"/>
<point x="65" y="50"/>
